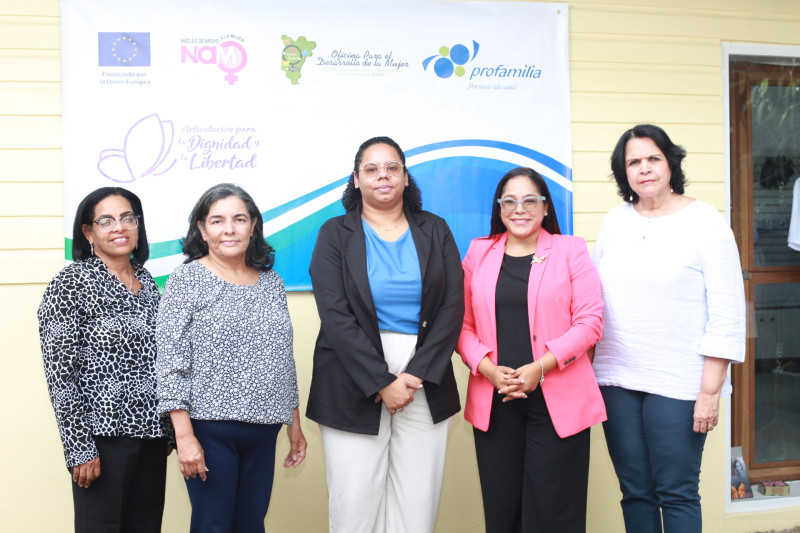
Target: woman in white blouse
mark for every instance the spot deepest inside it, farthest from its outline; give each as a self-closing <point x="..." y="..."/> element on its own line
<point x="674" y="319"/>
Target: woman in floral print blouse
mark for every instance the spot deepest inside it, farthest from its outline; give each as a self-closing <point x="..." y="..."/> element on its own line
<point x="226" y="372"/>
<point x="97" y="328"/>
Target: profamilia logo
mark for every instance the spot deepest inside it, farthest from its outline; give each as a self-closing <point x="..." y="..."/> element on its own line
<point x="451" y="60"/>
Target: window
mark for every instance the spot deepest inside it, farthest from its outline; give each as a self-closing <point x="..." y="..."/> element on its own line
<point x="765" y="183"/>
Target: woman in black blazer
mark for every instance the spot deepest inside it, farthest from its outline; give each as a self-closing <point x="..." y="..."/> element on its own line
<point x="388" y="284"/>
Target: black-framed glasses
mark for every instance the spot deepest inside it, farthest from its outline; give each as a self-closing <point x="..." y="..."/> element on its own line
<point x="129" y="221"/>
<point x="529" y="203"/>
<point x="393" y="168"/>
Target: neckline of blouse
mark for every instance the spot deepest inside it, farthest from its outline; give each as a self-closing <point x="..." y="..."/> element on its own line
<point x="225" y="281"/>
<point x="100" y="265"/>
<point x="646" y="218"/>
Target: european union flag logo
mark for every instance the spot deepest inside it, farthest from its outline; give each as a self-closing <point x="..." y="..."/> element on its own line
<point x="124" y="49"/>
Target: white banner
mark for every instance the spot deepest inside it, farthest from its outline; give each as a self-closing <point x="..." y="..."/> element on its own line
<point x="170" y="98"/>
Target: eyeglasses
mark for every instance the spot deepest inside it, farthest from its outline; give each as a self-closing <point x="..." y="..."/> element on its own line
<point x="130" y="221"/>
<point x="393" y="168"/>
<point x="529" y="203"/>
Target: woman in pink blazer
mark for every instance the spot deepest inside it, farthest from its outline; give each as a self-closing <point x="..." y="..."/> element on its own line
<point x="533" y="309"/>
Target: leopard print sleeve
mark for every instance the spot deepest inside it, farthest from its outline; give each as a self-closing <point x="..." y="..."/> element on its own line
<point x="99" y="351"/>
<point x="60" y="321"/>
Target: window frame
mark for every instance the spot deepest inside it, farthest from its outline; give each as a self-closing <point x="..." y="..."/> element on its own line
<point x="743" y="72"/>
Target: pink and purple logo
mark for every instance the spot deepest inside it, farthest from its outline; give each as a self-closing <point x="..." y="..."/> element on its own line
<point x="230" y="56"/>
<point x="145" y="151"/>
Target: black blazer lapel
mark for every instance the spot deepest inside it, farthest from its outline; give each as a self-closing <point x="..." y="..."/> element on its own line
<point x="422" y="241"/>
<point x="355" y="259"/>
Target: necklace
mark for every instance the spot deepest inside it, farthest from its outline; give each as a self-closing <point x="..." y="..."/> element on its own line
<point x="646" y="229"/>
<point x="402" y="217"/>
<point x="130" y="278"/>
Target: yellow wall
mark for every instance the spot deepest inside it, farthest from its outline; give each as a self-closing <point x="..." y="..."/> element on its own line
<point x="631" y="61"/>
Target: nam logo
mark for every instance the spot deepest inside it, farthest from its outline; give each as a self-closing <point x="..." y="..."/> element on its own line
<point x="230" y="56"/>
<point x="451" y="60"/>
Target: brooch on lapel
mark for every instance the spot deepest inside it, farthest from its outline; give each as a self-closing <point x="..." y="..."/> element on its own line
<point x="538" y="259"/>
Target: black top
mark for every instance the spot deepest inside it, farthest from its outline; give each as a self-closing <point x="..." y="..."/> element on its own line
<point x="511" y="310"/>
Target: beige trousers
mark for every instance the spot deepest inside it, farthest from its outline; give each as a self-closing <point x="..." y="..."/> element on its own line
<point x="389" y="483"/>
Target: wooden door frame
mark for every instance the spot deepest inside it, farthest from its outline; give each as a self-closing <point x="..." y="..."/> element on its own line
<point x="742" y="76"/>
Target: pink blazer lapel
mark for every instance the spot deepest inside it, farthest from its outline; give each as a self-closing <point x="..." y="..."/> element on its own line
<point x="543" y="250"/>
<point x="491" y="270"/>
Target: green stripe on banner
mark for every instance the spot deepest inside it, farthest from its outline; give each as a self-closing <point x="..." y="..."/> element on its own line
<point x="165" y="249"/>
<point x="293" y="233"/>
<point x="161" y="281"/>
<point x="279" y="241"/>
<point x="157" y="250"/>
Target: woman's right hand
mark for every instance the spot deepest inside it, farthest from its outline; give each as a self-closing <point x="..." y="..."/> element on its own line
<point x="84" y="474"/>
<point x="191" y="457"/>
<point x="399" y="393"/>
<point x="499" y="376"/>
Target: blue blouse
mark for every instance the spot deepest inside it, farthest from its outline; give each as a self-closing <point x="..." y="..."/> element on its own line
<point x="395" y="281"/>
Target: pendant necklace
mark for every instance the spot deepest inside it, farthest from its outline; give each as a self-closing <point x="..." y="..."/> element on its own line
<point x="647" y="227"/>
<point x="381" y="227"/>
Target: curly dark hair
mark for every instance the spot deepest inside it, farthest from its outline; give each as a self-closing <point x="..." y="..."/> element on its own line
<point x="673" y="152"/>
<point x="351" y="198"/>
<point x="550" y="222"/>
<point x="260" y="255"/>
<point x="85" y="214"/>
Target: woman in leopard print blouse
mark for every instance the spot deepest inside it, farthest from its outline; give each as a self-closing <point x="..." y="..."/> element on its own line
<point x="97" y="329"/>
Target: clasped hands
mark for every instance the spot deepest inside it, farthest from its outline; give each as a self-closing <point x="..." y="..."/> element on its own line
<point x="399" y="393"/>
<point x="513" y="383"/>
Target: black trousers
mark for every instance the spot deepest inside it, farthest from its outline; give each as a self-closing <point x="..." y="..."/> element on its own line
<point x="128" y="497"/>
<point x="532" y="480"/>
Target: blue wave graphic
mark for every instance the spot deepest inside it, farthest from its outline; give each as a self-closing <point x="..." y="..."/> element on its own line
<point x="544" y="159"/>
<point x="167" y="248"/>
<point x="458" y="188"/>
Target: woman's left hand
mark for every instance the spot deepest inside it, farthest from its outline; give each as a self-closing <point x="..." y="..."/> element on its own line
<point x="706" y="407"/>
<point x="297" y="443"/>
<point x="529" y="376"/>
<point x="706" y="412"/>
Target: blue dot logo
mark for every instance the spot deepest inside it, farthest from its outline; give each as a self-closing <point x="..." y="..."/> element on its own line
<point x="451" y="60"/>
<point x="443" y="67"/>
